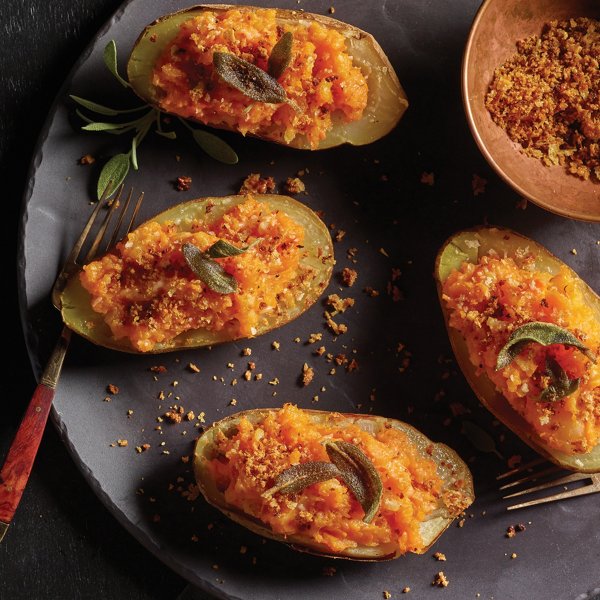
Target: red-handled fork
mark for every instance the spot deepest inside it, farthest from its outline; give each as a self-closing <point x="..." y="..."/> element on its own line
<point x="22" y="452"/>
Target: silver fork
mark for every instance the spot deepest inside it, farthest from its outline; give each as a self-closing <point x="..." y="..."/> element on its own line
<point x="21" y="454"/>
<point x="540" y="469"/>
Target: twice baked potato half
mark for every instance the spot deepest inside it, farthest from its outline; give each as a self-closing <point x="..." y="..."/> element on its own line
<point x="292" y="77"/>
<point x="349" y="486"/>
<point x="203" y="272"/>
<point x="525" y="329"/>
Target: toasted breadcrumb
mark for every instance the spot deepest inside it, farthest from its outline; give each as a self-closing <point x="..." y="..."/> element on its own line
<point x="183" y="183"/>
<point x="349" y="276"/>
<point x="294" y="185"/>
<point x="255" y="184"/>
<point x="307" y="374"/>
<point x="112" y="389"/>
<point x="478" y="185"/>
<point x="122" y="443"/>
<point x="440" y="556"/>
<point x="371" y="292"/>
<point x="87" y="159"/>
<point x="193" y="368"/>
<point x="546" y="96"/>
<point x="427" y="178"/>
<point x="339" y="304"/>
<point x="158" y="369"/>
<point x="440" y="580"/>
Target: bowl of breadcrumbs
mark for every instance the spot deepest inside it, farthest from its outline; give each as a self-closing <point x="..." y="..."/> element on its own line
<point x="531" y="91"/>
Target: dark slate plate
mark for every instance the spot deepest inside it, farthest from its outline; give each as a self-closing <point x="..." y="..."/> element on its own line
<point x="375" y="194"/>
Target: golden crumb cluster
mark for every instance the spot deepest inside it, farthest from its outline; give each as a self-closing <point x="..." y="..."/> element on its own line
<point x="489" y="300"/>
<point x="320" y="79"/>
<point x="148" y="293"/>
<point x="547" y="96"/>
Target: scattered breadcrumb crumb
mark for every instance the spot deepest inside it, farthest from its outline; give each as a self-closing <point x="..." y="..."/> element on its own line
<point x="440" y="580"/>
<point x="338" y="304"/>
<point x="246" y="351"/>
<point x="427" y="178"/>
<point x="307" y="374"/>
<point x="122" y="443"/>
<point x="87" y="159"/>
<point x="339" y="236"/>
<point x="158" y="369"/>
<point x="112" y="389"/>
<point x="349" y="276"/>
<point x="173" y="416"/>
<point x="183" y="183"/>
<point x="386" y="595"/>
<point x="405" y="590"/>
<point x="255" y="184"/>
<point x="371" y="292"/>
<point x="478" y="184"/>
<point x="193" y="368"/>
<point x="440" y="556"/>
<point x="314" y="337"/>
<point x="275" y="345"/>
<point x="513" y="555"/>
<point x="294" y="185"/>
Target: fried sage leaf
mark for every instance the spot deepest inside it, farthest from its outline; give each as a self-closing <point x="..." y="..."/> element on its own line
<point x="209" y="271"/>
<point x="541" y="333"/>
<point x="281" y="55"/>
<point x="248" y="79"/>
<point x="223" y="249"/>
<point x="560" y="386"/>
<point x="297" y="477"/>
<point x="358" y="473"/>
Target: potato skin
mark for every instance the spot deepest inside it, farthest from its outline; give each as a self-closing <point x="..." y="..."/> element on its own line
<point x="450" y="467"/>
<point x="387" y="99"/>
<point x="79" y="316"/>
<point x="454" y="251"/>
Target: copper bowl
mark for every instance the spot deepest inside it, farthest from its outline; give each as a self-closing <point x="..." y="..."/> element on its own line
<point x="499" y="24"/>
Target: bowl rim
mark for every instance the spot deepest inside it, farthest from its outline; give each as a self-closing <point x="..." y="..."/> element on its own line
<point x="572" y="214"/>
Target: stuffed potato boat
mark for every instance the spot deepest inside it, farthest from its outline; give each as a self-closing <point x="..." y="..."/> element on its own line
<point x="303" y="80"/>
<point x="342" y="485"/>
<point x="201" y="273"/>
<point x="525" y="330"/>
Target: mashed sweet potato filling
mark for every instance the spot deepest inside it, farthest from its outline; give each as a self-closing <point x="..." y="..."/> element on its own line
<point x="148" y="293"/>
<point x="247" y="463"/>
<point x="320" y="78"/>
<point x="489" y="300"/>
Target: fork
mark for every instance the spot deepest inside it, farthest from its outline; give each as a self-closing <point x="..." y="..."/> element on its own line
<point x="22" y="452"/>
<point x="543" y="472"/>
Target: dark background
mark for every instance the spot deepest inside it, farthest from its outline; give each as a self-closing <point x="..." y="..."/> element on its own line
<point x="62" y="543"/>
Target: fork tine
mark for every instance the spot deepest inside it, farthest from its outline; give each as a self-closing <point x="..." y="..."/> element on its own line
<point x="550" y="484"/>
<point x="532" y="477"/>
<point x="520" y="469"/>
<point x="115" y="235"/>
<point x="587" y="489"/>
<point x="135" y="212"/>
<point x="100" y="235"/>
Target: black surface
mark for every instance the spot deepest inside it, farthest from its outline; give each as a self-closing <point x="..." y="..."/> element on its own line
<point x="63" y="543"/>
<point x="410" y="221"/>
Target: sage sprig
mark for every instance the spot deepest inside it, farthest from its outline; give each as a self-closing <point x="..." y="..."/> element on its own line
<point x="281" y="55"/>
<point x="208" y="270"/>
<point x="117" y="168"/>
<point x="480" y="438"/>
<point x="542" y="333"/>
<point x="348" y="463"/>
<point x="250" y="80"/>
<point x="359" y="474"/>
<point x="559" y="386"/>
<point x="298" y="477"/>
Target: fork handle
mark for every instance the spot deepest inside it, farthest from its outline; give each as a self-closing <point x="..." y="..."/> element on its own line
<point x="21" y="455"/>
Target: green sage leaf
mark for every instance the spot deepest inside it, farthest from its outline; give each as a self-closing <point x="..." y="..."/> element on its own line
<point x="560" y="385"/>
<point x="298" y="477"/>
<point x="110" y="60"/>
<point x="358" y="473"/>
<point x="170" y="135"/>
<point x="223" y="249"/>
<point x="102" y="126"/>
<point x="480" y="438"/>
<point x="112" y="175"/>
<point x="215" y="147"/>
<point x="281" y="55"/>
<point x="541" y="333"/>
<point x="104" y="110"/>
<point x="248" y="79"/>
<point x="209" y="271"/>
